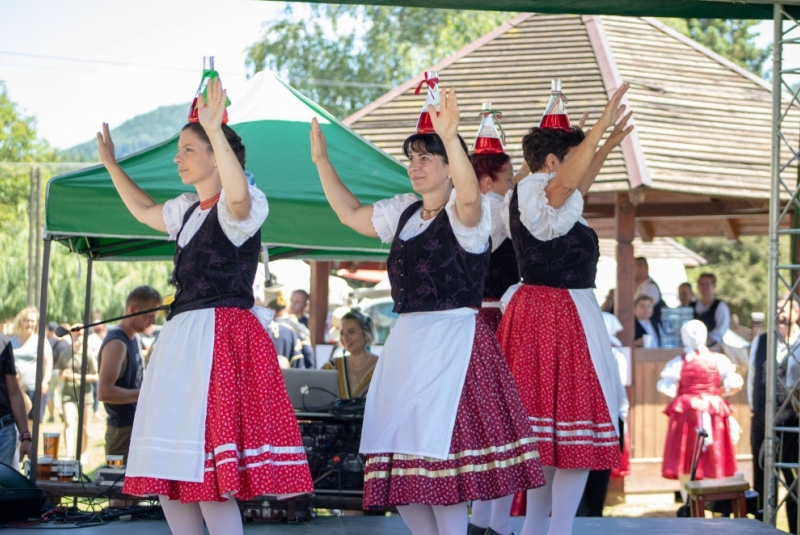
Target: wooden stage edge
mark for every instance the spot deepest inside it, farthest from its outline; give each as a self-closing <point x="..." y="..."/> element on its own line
<point x="352" y="525"/>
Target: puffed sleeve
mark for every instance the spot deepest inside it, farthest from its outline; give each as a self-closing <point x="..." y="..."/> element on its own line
<point x="240" y="231"/>
<point x="727" y="372"/>
<point x="174" y="210"/>
<point x="542" y="220"/>
<point x="386" y="214"/>
<point x="473" y="239"/>
<point x="670" y="377"/>
<point x="500" y="225"/>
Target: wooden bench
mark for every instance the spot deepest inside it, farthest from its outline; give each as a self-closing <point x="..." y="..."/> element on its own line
<point x="715" y="490"/>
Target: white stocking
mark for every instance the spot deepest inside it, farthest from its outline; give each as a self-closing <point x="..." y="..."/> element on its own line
<point x="222" y="518"/>
<point x="567" y="492"/>
<point x="420" y="519"/>
<point x="539" y="503"/>
<point x="451" y="519"/>
<point x="481" y="513"/>
<point x="501" y="515"/>
<point x="183" y="518"/>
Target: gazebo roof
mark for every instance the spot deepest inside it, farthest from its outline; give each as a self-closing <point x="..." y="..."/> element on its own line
<point x="701" y="146"/>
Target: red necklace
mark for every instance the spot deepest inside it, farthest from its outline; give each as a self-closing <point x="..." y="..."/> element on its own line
<point x="208" y="203"/>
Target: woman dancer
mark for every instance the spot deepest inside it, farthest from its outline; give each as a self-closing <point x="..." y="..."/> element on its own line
<point x="552" y="331"/>
<point x="443" y="423"/>
<point x="213" y="419"/>
<point x="698" y="380"/>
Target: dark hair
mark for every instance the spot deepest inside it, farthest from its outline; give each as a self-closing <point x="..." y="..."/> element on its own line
<point x="641" y="260"/>
<point x="643" y="297"/>
<point x="539" y="142"/>
<point x="489" y="164"/>
<point x="143" y="295"/>
<point x="302" y="292"/>
<point x="681" y="285"/>
<point x="364" y="322"/>
<point x="233" y="139"/>
<point x="429" y="144"/>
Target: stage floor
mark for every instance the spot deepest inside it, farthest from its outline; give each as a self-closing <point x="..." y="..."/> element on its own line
<point x="351" y="525"/>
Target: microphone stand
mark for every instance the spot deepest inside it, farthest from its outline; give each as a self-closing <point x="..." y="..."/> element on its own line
<point x="84" y="365"/>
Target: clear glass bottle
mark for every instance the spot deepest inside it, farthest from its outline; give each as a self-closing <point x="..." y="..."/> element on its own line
<point x="489" y="139"/>
<point x="208" y="74"/>
<point x="431" y="80"/>
<point x="555" y="115"/>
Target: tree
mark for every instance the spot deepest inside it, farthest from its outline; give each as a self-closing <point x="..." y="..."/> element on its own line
<point x="344" y="57"/>
<point x="732" y="39"/>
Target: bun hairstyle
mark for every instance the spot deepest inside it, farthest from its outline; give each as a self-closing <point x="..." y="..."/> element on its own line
<point x="539" y="142"/>
<point x="489" y="164"/>
<point x="233" y="139"/>
<point x="429" y="144"/>
<point x="364" y="322"/>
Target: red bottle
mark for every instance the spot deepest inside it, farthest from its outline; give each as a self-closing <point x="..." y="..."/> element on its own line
<point x="555" y="115"/>
<point x="424" y="123"/>
<point x="490" y="138"/>
<point x="208" y="74"/>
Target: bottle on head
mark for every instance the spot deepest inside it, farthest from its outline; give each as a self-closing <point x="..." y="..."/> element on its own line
<point x="490" y="138"/>
<point x="433" y="98"/>
<point x="555" y="115"/>
<point x="208" y="74"/>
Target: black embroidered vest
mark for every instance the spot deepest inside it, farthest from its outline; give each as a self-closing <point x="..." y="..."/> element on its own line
<point x="785" y="417"/>
<point x="569" y="261"/>
<point x="210" y="271"/>
<point x="431" y="271"/>
<point x="503" y="271"/>
<point x="707" y="317"/>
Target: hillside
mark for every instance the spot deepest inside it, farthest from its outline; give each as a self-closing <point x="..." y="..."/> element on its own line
<point x="134" y="134"/>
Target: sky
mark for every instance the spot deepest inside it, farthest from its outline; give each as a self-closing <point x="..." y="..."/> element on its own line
<point x="76" y="64"/>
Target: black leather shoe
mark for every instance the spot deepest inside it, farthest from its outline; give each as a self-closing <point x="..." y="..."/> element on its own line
<point x="472" y="529"/>
<point x="490" y="531"/>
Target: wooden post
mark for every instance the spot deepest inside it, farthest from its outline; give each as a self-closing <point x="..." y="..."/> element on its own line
<point x="624" y="217"/>
<point x="319" y="301"/>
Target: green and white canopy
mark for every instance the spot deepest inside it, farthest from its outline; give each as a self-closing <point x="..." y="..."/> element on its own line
<point x="84" y="211"/>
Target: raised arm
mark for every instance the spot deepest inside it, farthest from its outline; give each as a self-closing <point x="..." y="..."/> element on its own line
<point x="621" y="129"/>
<point x="575" y="167"/>
<point x="468" y="193"/>
<point x="349" y="210"/>
<point x="231" y="174"/>
<point x="139" y="204"/>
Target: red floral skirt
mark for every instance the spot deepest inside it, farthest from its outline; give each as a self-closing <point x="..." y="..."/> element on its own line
<point x="492" y="452"/>
<point x="252" y="441"/>
<point x="543" y="339"/>
<point x="492" y="317"/>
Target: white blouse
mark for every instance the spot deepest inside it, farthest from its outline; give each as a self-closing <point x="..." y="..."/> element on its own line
<point x="386" y="217"/>
<point x="542" y="220"/>
<point x="671" y="375"/>
<point x="237" y="231"/>
<point x="500" y="226"/>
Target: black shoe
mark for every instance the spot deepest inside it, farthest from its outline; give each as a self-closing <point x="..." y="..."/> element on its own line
<point x="472" y="529"/>
<point x="490" y="531"/>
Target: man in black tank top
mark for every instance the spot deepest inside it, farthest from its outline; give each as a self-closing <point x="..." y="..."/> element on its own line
<point x="121" y="369"/>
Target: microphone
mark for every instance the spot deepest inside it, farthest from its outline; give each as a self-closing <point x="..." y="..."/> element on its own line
<point x="61" y="331"/>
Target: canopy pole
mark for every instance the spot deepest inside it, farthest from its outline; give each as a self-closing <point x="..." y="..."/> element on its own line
<point x="37" y="390"/>
<point x="625" y="221"/>
<point x="87" y="310"/>
<point x="320" y="271"/>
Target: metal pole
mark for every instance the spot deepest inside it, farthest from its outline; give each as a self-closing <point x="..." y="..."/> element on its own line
<point x="37" y="391"/>
<point x="87" y="310"/>
<point x="37" y="270"/>
<point x="770" y="492"/>
<point x="31" y="244"/>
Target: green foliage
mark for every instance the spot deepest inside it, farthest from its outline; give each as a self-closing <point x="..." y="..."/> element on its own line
<point x="135" y="134"/>
<point x="344" y="57"/>
<point x="730" y="38"/>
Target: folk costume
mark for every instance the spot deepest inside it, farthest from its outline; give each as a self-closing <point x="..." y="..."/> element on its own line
<point x="213" y="419"/>
<point x="443" y="422"/>
<point x="502" y="272"/>
<point x="696" y="381"/>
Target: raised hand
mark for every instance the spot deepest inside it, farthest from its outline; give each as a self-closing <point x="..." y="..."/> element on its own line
<point x="621" y="129"/>
<point x="582" y="120"/>
<point x="210" y="112"/>
<point x="105" y="147"/>
<point x="319" y="147"/>
<point x="445" y="123"/>
<point x="613" y="110"/>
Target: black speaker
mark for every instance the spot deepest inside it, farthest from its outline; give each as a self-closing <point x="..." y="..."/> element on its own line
<point x="19" y="499"/>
